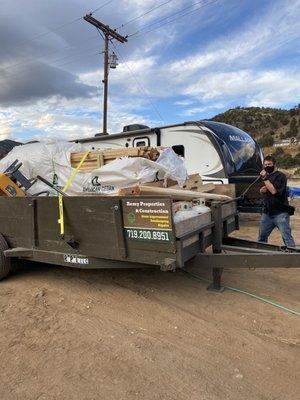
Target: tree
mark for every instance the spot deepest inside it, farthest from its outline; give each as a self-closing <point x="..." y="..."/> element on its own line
<point x="284" y="121"/>
<point x="274" y="124"/>
<point x="266" y="141"/>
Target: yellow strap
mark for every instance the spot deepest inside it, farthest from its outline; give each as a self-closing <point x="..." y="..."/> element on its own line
<point x="61" y="220"/>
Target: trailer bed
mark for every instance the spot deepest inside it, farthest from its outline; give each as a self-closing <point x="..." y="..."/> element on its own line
<point x="102" y="229"/>
<point x="129" y="232"/>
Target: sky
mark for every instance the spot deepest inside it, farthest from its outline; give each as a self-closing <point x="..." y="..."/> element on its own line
<point x="184" y="60"/>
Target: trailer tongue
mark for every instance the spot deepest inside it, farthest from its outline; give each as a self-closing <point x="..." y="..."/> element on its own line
<point x="129" y="232"/>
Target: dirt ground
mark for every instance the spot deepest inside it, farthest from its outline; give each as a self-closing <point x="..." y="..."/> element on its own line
<point x="143" y="334"/>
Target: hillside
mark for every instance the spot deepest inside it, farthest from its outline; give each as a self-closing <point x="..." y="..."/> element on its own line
<point x="267" y="126"/>
<point x="262" y="122"/>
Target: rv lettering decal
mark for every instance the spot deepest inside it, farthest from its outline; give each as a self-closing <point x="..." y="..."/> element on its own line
<point x="236" y="138"/>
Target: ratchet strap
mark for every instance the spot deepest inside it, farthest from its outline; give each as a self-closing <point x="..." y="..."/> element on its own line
<point x="61" y="220"/>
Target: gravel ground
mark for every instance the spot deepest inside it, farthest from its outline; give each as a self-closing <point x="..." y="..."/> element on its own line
<point x="143" y="334"/>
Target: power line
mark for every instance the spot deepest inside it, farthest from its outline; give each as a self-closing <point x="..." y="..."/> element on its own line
<point x="100" y="33"/>
<point x="173" y="14"/>
<point x="59" y="27"/>
<point x="78" y="58"/>
<point x="144" y="14"/>
<point x="66" y="63"/>
<point x="32" y="60"/>
<point x="139" y="84"/>
<point x="102" y="6"/>
<point x="38" y="36"/>
<point x="77" y="55"/>
<point x="180" y="14"/>
<point x="52" y="30"/>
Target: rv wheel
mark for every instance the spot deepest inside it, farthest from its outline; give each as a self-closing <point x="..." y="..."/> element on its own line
<point x="5" y="263"/>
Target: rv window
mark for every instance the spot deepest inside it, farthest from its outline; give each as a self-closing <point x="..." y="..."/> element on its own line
<point x="140" y="144"/>
<point x="179" y="149"/>
<point x="141" y="141"/>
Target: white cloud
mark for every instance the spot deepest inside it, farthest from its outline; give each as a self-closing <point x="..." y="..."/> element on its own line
<point x="260" y="38"/>
<point x="5" y="131"/>
<point x="191" y="111"/>
<point x="44" y="121"/>
<point x="67" y="119"/>
<point x="186" y="102"/>
<point x="211" y="77"/>
<point x="270" y="88"/>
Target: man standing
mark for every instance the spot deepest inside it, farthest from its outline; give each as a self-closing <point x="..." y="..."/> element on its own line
<point x="276" y="210"/>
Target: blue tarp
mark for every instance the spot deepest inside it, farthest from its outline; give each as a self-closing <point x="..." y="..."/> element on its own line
<point x="294" y="192"/>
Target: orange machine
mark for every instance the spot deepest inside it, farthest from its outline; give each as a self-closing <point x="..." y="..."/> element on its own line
<point x="9" y="188"/>
<point x="13" y="183"/>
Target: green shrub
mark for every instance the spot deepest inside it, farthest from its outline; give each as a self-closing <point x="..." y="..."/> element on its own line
<point x="284" y="121"/>
<point x="274" y="124"/>
<point x="297" y="158"/>
<point x="266" y="141"/>
<point x="278" y="152"/>
<point x="286" y="161"/>
<point x="293" y="127"/>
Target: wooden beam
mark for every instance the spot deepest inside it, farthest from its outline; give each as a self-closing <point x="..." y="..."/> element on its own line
<point x="176" y="194"/>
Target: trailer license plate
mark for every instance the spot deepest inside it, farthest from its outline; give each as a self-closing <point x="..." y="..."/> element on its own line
<point x="69" y="258"/>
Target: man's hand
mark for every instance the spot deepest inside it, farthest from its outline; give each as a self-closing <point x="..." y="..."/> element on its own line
<point x="263" y="190"/>
<point x="263" y="173"/>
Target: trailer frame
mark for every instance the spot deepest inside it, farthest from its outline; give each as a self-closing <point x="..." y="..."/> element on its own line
<point x="96" y="236"/>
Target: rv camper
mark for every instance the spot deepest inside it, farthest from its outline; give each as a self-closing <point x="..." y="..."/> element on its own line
<point x="219" y="152"/>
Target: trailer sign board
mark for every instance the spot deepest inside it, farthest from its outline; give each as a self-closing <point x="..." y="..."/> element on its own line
<point x="148" y="220"/>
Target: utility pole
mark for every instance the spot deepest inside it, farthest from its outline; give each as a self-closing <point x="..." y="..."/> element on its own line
<point x="108" y="35"/>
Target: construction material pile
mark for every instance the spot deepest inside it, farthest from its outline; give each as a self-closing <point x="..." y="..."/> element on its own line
<point x="119" y="172"/>
<point x="96" y="159"/>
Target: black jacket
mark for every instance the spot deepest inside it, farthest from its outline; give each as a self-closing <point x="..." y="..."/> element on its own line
<point x="278" y="202"/>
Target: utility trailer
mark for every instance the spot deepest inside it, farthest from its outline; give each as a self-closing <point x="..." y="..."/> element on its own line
<point x="128" y="232"/>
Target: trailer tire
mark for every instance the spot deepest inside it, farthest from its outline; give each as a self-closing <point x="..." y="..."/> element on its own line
<point x="5" y="263"/>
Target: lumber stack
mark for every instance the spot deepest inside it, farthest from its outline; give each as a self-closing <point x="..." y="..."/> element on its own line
<point x="98" y="158"/>
<point x="192" y="189"/>
<point x="176" y="194"/>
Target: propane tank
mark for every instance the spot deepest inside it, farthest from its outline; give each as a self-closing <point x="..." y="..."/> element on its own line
<point x="185" y="211"/>
<point x="199" y="206"/>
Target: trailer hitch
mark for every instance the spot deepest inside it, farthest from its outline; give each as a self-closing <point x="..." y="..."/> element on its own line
<point x="247" y="254"/>
<point x="237" y="244"/>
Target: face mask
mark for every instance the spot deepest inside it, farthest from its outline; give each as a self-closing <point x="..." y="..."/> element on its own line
<point x="269" y="169"/>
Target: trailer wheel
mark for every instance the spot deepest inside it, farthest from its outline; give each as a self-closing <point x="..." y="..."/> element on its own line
<point x="5" y="263"/>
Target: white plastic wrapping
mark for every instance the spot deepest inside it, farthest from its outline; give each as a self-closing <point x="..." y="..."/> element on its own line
<point x="174" y="165"/>
<point x="121" y="173"/>
<point x="51" y="160"/>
